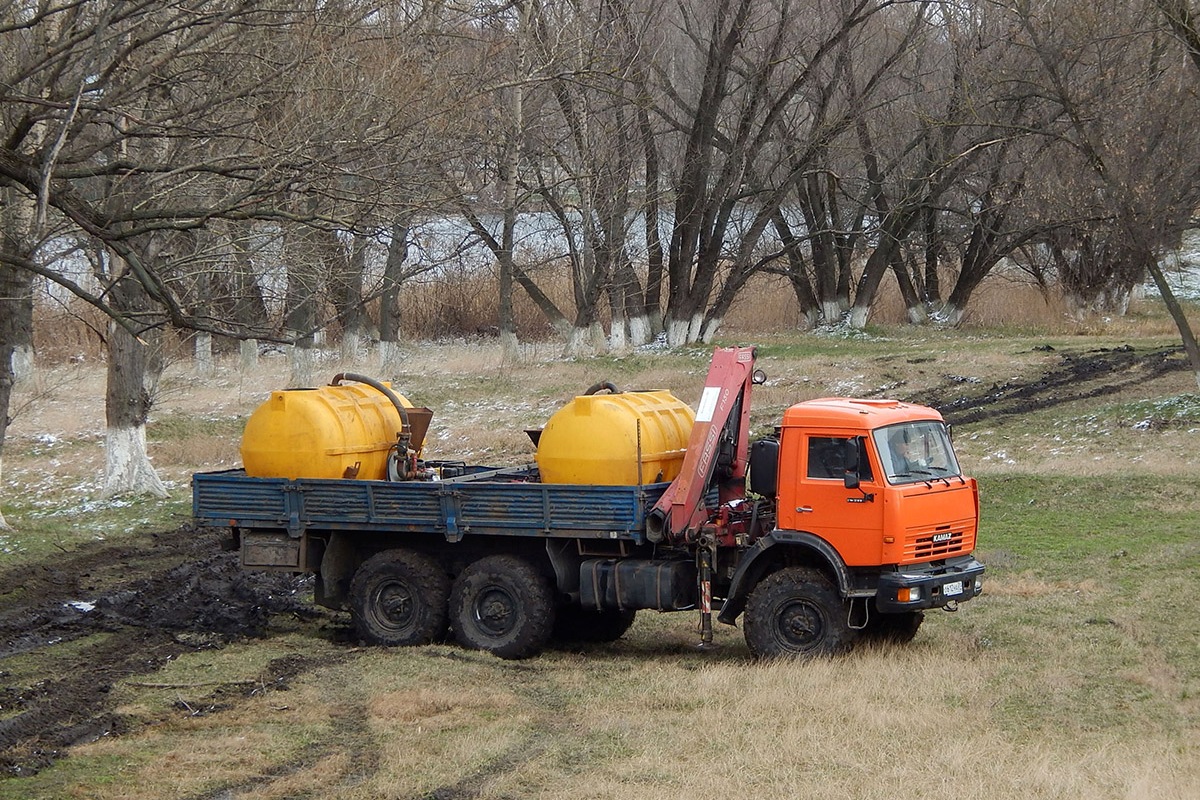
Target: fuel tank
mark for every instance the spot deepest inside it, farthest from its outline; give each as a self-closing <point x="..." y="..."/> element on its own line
<point x="620" y="439"/>
<point x="343" y="431"/>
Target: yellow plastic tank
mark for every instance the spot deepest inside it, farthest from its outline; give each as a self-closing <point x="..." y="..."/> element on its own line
<point x="340" y="431"/>
<point x="615" y="439"/>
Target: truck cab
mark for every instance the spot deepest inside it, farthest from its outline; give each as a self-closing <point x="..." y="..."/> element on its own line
<point x="874" y="487"/>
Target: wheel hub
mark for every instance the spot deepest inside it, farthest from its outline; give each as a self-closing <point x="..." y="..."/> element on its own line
<point x="495" y="611"/>
<point x="800" y="625"/>
<point x="396" y="603"/>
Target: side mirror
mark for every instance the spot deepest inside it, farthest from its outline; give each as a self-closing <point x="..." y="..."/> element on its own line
<point x="850" y="463"/>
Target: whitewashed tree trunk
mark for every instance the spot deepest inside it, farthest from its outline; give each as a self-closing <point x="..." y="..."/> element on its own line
<point x="677" y="332"/>
<point x="206" y="367"/>
<point x="390" y="358"/>
<point x="579" y="344"/>
<point x="133" y="371"/>
<point x="510" y="347"/>
<point x="858" y="318"/>
<point x="709" y="331"/>
<point x="831" y="310"/>
<point x="916" y="315"/>
<point x="597" y="338"/>
<point x="127" y="465"/>
<point x="951" y="314"/>
<point x="353" y="347"/>
<point x="695" y="328"/>
<point x="248" y="354"/>
<point x="618" y="342"/>
<point x="23" y="365"/>
<point x="301" y="361"/>
<point x="4" y="526"/>
<point x="640" y="332"/>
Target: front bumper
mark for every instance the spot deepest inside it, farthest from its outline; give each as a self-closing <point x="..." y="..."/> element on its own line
<point x="929" y="585"/>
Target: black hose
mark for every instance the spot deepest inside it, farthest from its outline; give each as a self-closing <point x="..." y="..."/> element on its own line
<point x="595" y="387"/>
<point x="376" y="385"/>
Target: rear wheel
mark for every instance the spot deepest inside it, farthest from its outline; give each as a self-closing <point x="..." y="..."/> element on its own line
<point x="399" y="597"/>
<point x="577" y="624"/>
<point x="503" y="605"/>
<point x="797" y="613"/>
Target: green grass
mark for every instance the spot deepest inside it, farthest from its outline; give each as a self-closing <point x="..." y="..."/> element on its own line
<point x="1051" y="525"/>
<point x="1088" y="605"/>
<point x="47" y="527"/>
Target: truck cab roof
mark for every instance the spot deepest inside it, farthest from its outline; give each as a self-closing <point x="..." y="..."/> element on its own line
<point x="858" y="414"/>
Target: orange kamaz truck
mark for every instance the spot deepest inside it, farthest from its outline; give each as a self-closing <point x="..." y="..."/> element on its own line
<point x="848" y="522"/>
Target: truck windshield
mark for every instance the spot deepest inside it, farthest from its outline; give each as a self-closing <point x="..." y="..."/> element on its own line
<point x="916" y="451"/>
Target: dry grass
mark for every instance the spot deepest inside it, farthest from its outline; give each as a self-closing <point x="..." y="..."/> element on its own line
<point x="654" y="720"/>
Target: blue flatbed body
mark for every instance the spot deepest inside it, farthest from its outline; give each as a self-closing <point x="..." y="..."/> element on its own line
<point x="482" y="500"/>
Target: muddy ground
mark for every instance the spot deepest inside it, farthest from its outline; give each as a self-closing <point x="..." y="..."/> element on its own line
<point x="166" y="593"/>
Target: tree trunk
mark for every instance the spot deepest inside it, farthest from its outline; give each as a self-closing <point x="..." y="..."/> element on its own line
<point x="248" y="354"/>
<point x="202" y="345"/>
<point x="349" y="295"/>
<point x="633" y="306"/>
<point x="303" y="286"/>
<point x="933" y="248"/>
<point x="390" y="317"/>
<point x="654" y="248"/>
<point x="14" y="284"/>
<point x="915" y="310"/>
<point x="1181" y="321"/>
<point x="249" y="308"/>
<point x="132" y="373"/>
<point x="206" y="366"/>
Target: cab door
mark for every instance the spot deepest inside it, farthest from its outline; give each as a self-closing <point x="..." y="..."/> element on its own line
<point x="849" y="519"/>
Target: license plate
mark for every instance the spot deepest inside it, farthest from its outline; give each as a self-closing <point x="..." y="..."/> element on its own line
<point x="952" y="589"/>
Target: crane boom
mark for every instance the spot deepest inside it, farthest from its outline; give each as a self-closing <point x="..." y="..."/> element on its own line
<point x="716" y="450"/>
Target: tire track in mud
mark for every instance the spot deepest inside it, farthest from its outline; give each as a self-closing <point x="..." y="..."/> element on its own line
<point x="1077" y="376"/>
<point x="176" y="593"/>
<point x="553" y="725"/>
<point x="350" y="735"/>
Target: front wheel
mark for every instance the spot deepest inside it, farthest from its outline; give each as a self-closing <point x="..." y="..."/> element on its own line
<point x="797" y="613"/>
<point x="503" y="605"/>
<point x="398" y="597"/>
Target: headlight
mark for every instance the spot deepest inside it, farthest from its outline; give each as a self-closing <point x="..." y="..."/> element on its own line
<point x="909" y="594"/>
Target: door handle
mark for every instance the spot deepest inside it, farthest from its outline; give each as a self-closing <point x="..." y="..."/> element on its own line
<point x="804" y="510"/>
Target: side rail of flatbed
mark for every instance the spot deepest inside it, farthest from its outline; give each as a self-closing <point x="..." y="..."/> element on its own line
<point x="482" y="500"/>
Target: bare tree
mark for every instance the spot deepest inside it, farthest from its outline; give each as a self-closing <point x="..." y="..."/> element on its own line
<point x="1130" y="132"/>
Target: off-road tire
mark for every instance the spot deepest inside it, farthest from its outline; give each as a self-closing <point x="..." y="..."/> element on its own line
<point x="797" y="613"/>
<point x="399" y="598"/>
<point x="893" y="628"/>
<point x="578" y="624"/>
<point x="503" y="605"/>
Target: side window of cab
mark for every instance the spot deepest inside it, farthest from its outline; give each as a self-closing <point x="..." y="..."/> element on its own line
<point x="827" y="457"/>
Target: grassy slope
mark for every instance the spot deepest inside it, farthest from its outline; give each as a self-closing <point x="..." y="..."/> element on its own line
<point x="1076" y="675"/>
